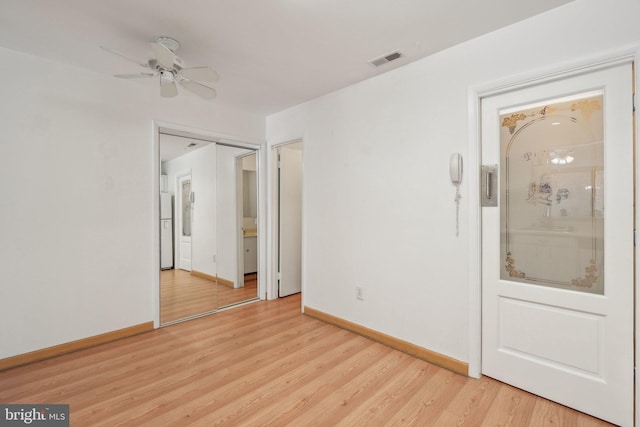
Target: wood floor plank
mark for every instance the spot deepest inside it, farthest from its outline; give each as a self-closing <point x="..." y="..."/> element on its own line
<point x="169" y="389"/>
<point x="121" y="363"/>
<point x="427" y="403"/>
<point x="313" y="393"/>
<point x="265" y="364"/>
<point x="175" y="389"/>
<point x="184" y="295"/>
<point x="511" y="407"/>
<point x="387" y="399"/>
<point x="547" y="413"/>
<point x="316" y="365"/>
<point x="470" y="405"/>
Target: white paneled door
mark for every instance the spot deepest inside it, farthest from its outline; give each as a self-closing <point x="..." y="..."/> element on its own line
<point x="557" y="250"/>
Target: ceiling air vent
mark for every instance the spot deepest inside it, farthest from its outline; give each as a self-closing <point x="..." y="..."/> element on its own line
<point x="386" y="58"/>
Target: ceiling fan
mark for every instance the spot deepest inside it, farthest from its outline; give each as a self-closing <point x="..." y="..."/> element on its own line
<point x="170" y="68"/>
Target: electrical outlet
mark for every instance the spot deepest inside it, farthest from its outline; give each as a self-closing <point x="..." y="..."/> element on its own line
<point x="360" y="293"/>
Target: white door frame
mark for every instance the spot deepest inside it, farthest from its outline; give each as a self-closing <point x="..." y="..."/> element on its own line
<point x="475" y="95"/>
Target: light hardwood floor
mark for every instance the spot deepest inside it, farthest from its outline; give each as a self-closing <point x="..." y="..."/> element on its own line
<point x="228" y="295"/>
<point x="183" y="295"/>
<point x="265" y="364"/>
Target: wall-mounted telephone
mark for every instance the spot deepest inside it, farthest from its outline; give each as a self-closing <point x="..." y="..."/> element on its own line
<point x="455" y="168"/>
<point x="455" y="171"/>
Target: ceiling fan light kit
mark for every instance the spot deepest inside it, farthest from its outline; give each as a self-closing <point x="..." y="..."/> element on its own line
<point x="170" y="69"/>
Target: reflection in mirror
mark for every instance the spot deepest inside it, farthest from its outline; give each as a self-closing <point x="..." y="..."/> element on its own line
<point x="237" y="230"/>
<point x="187" y="231"/>
<point x="186" y="207"/>
<point x="208" y="227"/>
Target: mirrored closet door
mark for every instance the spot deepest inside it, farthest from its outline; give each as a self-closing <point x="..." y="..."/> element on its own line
<point x="208" y="226"/>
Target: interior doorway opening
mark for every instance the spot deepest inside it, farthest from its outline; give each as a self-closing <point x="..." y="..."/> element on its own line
<point x="288" y="213"/>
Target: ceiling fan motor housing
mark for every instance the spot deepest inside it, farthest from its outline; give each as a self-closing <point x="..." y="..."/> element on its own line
<point x="168" y="42"/>
<point x="173" y="45"/>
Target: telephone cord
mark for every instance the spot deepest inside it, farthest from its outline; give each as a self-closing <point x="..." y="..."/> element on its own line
<point x="458" y="197"/>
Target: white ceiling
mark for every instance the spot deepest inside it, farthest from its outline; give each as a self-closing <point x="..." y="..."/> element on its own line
<point x="271" y="54"/>
<point x="173" y="146"/>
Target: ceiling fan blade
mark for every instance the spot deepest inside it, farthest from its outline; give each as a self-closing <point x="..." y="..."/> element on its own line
<point x="199" y="89"/>
<point x="163" y="55"/>
<point x="122" y="55"/>
<point x="134" y="76"/>
<point x="200" y="74"/>
<point x="168" y="90"/>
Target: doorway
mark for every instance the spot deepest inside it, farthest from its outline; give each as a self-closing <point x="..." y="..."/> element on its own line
<point x="288" y="213"/>
<point x="557" y="241"/>
<point x="247" y="211"/>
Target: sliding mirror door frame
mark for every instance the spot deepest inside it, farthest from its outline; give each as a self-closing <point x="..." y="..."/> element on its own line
<point x="218" y="139"/>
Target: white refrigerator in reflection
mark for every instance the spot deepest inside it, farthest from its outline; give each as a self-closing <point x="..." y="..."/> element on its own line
<point x="166" y="231"/>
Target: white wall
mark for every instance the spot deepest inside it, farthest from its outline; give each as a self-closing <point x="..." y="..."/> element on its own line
<point x="378" y="206"/>
<point x="77" y="178"/>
